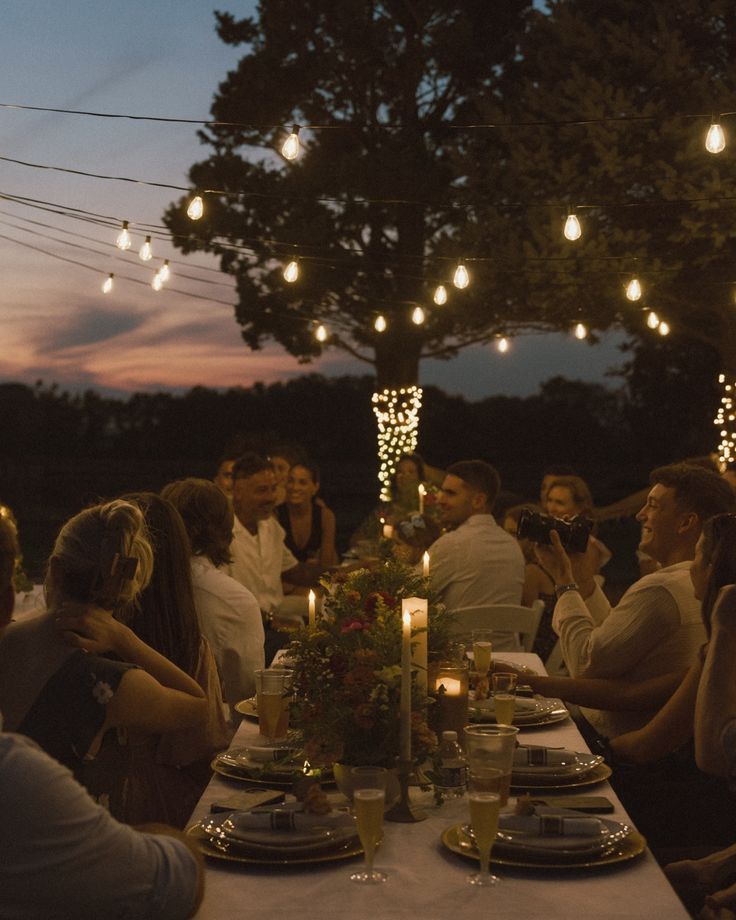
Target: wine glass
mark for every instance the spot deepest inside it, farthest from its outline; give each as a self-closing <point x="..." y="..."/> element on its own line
<point x="369" y="799"/>
<point x="484" y="809"/>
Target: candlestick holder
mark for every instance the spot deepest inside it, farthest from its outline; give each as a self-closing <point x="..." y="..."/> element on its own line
<point x="403" y="811"/>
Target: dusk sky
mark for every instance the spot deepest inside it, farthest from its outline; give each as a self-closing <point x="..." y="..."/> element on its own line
<point x="159" y="58"/>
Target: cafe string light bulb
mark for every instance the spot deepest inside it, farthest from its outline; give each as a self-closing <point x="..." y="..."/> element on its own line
<point x="124" y="241"/>
<point x="572" y="230"/>
<point x="440" y="295"/>
<point x="652" y="320"/>
<point x="633" y="290"/>
<point x="715" y="139"/>
<point x="165" y="272"/>
<point x="157" y="283"/>
<point x="724" y="421"/>
<point x="107" y="283"/>
<point x="461" y="278"/>
<point x="397" y="418"/>
<point x="291" y="146"/>
<point x="145" y="253"/>
<point x="320" y="333"/>
<point x="503" y="345"/>
<point x="580" y="331"/>
<point x="291" y="272"/>
<point x="663" y="328"/>
<point x="196" y="208"/>
<point x="417" y="316"/>
<point x="380" y="324"/>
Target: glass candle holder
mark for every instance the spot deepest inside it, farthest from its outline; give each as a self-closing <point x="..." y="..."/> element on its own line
<point x="451" y="688"/>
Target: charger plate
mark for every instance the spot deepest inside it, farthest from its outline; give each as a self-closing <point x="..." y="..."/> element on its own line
<point x="542" y="783"/>
<point x="232" y="854"/>
<point x="630" y="847"/>
<point x="236" y="765"/>
<point x="248" y="708"/>
<point x="548" y="711"/>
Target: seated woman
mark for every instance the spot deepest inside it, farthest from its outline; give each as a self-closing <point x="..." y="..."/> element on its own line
<point x="309" y="524"/>
<point x="55" y="685"/>
<point x="568" y="496"/>
<point x="413" y="538"/>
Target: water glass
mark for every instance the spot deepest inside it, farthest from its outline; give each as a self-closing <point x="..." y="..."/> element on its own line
<point x="490" y="753"/>
<point x="272" y="701"/>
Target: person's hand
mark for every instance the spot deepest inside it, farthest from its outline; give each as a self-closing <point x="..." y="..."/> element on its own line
<point x="720" y="906"/>
<point x="555" y="560"/>
<point x="88" y="627"/>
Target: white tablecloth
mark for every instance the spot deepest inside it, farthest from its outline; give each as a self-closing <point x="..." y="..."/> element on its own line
<point x="427" y="881"/>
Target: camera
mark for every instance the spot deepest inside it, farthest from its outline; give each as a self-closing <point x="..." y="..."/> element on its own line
<point x="537" y="527"/>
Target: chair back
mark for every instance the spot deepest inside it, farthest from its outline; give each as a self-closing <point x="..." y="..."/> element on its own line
<point x="511" y="619"/>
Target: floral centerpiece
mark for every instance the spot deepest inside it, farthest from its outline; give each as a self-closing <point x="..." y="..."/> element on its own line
<point x="347" y="673"/>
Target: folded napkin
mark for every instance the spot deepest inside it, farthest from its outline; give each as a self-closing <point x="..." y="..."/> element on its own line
<point x="553" y="825"/>
<point x="267" y="753"/>
<point x="284" y="819"/>
<point x="536" y="756"/>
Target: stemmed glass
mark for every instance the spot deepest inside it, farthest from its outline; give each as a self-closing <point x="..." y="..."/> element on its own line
<point x="484" y="809"/>
<point x="482" y="649"/>
<point x="369" y="799"/>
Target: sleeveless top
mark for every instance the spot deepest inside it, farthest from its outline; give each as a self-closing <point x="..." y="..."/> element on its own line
<point x="313" y="544"/>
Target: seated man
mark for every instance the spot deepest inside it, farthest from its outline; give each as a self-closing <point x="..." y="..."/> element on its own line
<point x="656" y="628"/>
<point x="477" y="562"/>
<point x="64" y="855"/>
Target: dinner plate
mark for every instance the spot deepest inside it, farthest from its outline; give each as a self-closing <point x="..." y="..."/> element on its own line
<point x="528" y="713"/>
<point x="235" y="764"/>
<point x="224" y="830"/>
<point x="216" y="850"/>
<point x="518" y="835"/>
<point x="581" y="764"/>
<point x="631" y="846"/>
<point x="546" y="783"/>
<point x="247" y="708"/>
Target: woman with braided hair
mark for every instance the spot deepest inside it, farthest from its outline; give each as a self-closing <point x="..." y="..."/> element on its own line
<point x="73" y="672"/>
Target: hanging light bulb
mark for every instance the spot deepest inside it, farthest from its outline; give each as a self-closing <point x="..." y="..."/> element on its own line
<point x="145" y="253"/>
<point x="320" y="333"/>
<point x="461" y="278"/>
<point x="440" y="295"/>
<point x="417" y="316"/>
<point x="503" y="345"/>
<point x="715" y="139"/>
<point x="580" y="331"/>
<point x="107" y="284"/>
<point x="573" y="230"/>
<point x="380" y="324"/>
<point x="652" y="320"/>
<point x="291" y="146"/>
<point x="165" y="272"/>
<point x="663" y="328"/>
<point x="196" y="208"/>
<point x="157" y="283"/>
<point x="633" y="289"/>
<point x="291" y="272"/>
<point x="123" y="241"/>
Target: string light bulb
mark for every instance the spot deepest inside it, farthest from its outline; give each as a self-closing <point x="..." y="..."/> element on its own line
<point x="503" y="345"/>
<point x="663" y="328"/>
<point x="573" y="231"/>
<point x="124" y="241"/>
<point x="633" y="289"/>
<point x="440" y="295"/>
<point x="580" y="331"/>
<point x="461" y="278"/>
<point x="291" y="146"/>
<point x="715" y="139"/>
<point x="145" y="253"/>
<point x="165" y="272"/>
<point x="417" y="316"/>
<point x="380" y="324"/>
<point x="321" y="333"/>
<point x="196" y="208"/>
<point x="291" y="272"/>
<point x="157" y="283"/>
<point x="107" y="284"/>
<point x="652" y="320"/>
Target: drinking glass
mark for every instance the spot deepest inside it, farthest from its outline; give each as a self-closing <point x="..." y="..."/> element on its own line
<point x="482" y="650"/>
<point x="369" y="798"/>
<point x="490" y="752"/>
<point x="484" y="809"/>
<point x="272" y="702"/>
<point x="504" y="696"/>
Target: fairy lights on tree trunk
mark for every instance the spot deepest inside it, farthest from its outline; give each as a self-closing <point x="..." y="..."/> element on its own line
<point x="397" y="417"/>
<point x="724" y="420"/>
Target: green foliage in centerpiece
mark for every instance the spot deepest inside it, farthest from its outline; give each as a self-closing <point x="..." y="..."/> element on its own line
<point x="347" y="671"/>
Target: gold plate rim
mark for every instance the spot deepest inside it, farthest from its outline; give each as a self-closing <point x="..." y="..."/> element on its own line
<point x="633" y="845"/>
<point x="247" y="708"/>
<point x="346" y="851"/>
<point x="269" y="780"/>
<point x="597" y="774"/>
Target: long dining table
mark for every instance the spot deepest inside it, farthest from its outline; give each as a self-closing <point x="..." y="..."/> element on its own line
<point x="426" y="880"/>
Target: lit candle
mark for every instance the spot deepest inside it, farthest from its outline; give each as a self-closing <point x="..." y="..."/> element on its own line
<point x="388" y="532"/>
<point x="425" y="564"/>
<point x="312" y="609"/>
<point x="422" y="492"/>
<point x="452" y="687"/>
<point x="405" y="708"/>
<point x="418" y="608"/>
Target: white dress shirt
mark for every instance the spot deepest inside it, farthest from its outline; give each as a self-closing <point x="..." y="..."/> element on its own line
<point x="656" y="628"/>
<point x="259" y="559"/>
<point x="230" y="620"/>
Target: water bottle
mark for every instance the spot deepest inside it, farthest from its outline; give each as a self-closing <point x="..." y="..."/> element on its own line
<point x="452" y="772"/>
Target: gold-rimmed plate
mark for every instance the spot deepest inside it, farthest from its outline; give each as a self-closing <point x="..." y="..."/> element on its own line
<point x="248" y="708"/>
<point x="212" y="849"/>
<point x="545" y="712"/>
<point x="236" y="765"/>
<point x="526" y="783"/>
<point x="630" y="847"/>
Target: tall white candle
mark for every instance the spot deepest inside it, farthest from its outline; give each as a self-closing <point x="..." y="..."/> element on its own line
<point x="405" y="707"/>
<point x="419" y="615"/>
<point x="312" y="609"/>
<point x="422" y="492"/>
<point x="425" y="564"/>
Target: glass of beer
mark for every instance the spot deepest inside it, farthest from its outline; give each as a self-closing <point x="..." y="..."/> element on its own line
<point x="272" y="702"/>
<point x="484" y="809"/>
<point x="504" y="696"/>
<point x="490" y="751"/>
<point x="369" y="799"/>
<point x="482" y="650"/>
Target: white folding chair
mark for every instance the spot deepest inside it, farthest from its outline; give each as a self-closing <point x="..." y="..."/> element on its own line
<point x="509" y="619"/>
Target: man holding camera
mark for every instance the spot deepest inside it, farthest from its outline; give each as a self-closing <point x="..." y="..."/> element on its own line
<point x="656" y="628"/>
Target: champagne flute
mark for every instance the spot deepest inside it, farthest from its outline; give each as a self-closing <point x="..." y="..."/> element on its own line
<point x="369" y="799"/>
<point x="484" y="809"/>
<point x="482" y="650"/>
<point x="272" y="702"/>
<point x="504" y="697"/>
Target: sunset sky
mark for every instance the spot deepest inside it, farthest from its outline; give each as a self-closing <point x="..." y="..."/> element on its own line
<point x="157" y="58"/>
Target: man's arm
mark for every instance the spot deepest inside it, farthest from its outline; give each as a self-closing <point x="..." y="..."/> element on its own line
<point x="442" y="563"/>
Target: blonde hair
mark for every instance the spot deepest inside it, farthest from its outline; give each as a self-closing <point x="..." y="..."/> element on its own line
<point x="92" y="549"/>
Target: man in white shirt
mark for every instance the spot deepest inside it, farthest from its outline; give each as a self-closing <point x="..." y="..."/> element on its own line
<point x="65" y="856"/>
<point x="476" y="563"/>
<point x="656" y="628"/>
